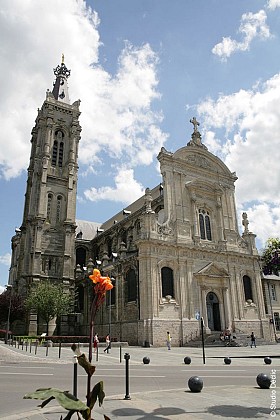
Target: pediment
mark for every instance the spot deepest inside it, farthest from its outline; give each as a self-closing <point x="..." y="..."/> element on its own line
<point x="212" y="270"/>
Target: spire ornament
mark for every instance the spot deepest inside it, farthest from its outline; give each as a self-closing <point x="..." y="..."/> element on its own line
<point x="196" y="136"/>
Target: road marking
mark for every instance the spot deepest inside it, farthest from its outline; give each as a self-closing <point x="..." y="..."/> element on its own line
<point x="25" y="373"/>
<point x="26" y="367"/>
<point x="123" y="376"/>
<point x="228" y="376"/>
<point x="213" y="370"/>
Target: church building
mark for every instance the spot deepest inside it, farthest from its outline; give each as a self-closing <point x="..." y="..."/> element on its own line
<point x="175" y="255"/>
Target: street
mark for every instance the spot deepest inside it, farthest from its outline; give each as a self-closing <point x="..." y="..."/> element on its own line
<point x="20" y="377"/>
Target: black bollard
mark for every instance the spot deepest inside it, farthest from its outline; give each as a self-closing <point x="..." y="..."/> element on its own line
<point x="227" y="360"/>
<point x="75" y="376"/>
<point x="263" y="381"/>
<point x="146" y="360"/>
<point x="267" y="360"/>
<point x="36" y="347"/>
<point x="187" y="360"/>
<point x="195" y="384"/>
<point x="59" y="350"/>
<point x="120" y="353"/>
<point x="126" y="358"/>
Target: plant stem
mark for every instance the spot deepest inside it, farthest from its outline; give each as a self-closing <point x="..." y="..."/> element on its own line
<point x="91" y="324"/>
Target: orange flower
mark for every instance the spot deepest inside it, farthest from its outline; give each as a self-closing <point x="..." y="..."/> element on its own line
<point x="95" y="277"/>
<point x="103" y="284"/>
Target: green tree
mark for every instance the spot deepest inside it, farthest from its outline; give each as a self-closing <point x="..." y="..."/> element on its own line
<point x="271" y="256"/>
<point x="17" y="306"/>
<point x="49" y="301"/>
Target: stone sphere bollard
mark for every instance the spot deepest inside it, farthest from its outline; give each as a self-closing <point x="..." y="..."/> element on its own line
<point x="146" y="360"/>
<point x="195" y="384"/>
<point x="267" y="360"/>
<point x="263" y="381"/>
<point x="187" y="360"/>
<point x="227" y="360"/>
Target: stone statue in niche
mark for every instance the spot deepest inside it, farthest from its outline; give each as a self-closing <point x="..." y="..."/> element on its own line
<point x="245" y="222"/>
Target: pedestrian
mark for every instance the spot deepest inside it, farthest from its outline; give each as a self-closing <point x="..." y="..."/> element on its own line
<point x="253" y="339"/>
<point x="108" y="343"/>
<point x="95" y="342"/>
<point x="168" y="340"/>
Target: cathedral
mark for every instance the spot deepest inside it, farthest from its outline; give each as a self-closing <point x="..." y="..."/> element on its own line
<point x="175" y="255"/>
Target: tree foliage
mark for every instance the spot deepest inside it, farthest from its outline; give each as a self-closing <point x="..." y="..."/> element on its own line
<point x="49" y="301"/>
<point x="17" y="306"/>
<point x="271" y="256"/>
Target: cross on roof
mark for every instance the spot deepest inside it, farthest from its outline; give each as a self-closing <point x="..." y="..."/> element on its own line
<point x="195" y="124"/>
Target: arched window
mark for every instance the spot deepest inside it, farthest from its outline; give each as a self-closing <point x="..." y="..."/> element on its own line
<point x="111" y="295"/>
<point x="247" y="288"/>
<point x="205" y="225"/>
<point x="60" y="156"/>
<point x="81" y="255"/>
<point x="58" y="208"/>
<point x="131" y="285"/>
<point x="167" y="282"/>
<point x="49" y="207"/>
<point x="54" y="153"/>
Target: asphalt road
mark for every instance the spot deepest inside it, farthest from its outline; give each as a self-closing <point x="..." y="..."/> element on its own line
<point x="19" y="378"/>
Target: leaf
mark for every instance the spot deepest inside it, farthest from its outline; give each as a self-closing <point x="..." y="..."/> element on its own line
<point x="97" y="392"/>
<point x="83" y="361"/>
<point x="64" y="398"/>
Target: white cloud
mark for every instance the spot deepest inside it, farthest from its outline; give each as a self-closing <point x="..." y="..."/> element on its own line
<point x="126" y="191"/>
<point x="253" y="25"/>
<point x="117" y="113"/>
<point x="273" y="4"/>
<point x="5" y="259"/>
<point x="250" y="123"/>
<point x="2" y="289"/>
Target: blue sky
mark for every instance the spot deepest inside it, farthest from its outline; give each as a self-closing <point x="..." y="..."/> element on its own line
<point x="142" y="69"/>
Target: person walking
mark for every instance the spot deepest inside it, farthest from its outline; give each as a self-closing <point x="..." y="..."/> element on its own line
<point x="95" y="342"/>
<point x="108" y="344"/>
<point x="168" y="340"/>
<point x="253" y="339"/>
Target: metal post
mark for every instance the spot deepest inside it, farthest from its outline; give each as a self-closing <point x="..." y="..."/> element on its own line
<point x="36" y="346"/>
<point x="202" y="339"/>
<point x="126" y="358"/>
<point x="75" y="376"/>
<point x="271" y="310"/>
<point x="47" y="348"/>
<point x="120" y="353"/>
<point x="9" y="287"/>
<point x="110" y="313"/>
<point x="59" y="350"/>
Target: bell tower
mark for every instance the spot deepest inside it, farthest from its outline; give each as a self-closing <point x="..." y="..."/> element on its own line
<point x="43" y="247"/>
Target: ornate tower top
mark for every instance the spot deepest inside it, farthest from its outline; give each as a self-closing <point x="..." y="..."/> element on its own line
<point x="196" y="136"/>
<point x="60" y="87"/>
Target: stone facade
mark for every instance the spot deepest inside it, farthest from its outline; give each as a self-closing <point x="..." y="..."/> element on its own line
<point x="175" y="254"/>
<point x="44" y="246"/>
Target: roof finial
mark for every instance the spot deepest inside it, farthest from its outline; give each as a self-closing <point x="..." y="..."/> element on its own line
<point x="196" y="136"/>
<point x="195" y="124"/>
<point x="62" y="59"/>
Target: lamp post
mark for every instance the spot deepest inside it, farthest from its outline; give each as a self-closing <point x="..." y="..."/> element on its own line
<point x="271" y="310"/>
<point x="9" y="287"/>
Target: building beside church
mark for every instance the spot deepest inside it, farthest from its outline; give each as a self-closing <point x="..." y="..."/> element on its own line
<point x="175" y="254"/>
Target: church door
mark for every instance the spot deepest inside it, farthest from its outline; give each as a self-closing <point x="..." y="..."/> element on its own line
<point x="213" y="312"/>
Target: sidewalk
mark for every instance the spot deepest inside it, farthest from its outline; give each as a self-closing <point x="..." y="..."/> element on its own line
<point x="231" y="402"/>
